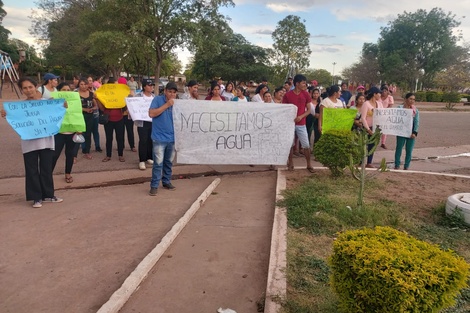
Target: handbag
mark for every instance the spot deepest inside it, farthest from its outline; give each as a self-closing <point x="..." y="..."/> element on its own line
<point x="103" y="118"/>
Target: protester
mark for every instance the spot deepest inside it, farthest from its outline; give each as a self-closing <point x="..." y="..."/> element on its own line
<point x="89" y="106"/>
<point x="221" y="85"/>
<point x="360" y="89"/>
<point x="132" y="85"/>
<point x="312" y="119"/>
<point x="96" y="114"/>
<point x="214" y="93"/>
<point x="279" y="93"/>
<point x="128" y="123"/>
<point x="228" y="93"/>
<point x="115" y="124"/>
<point x="345" y="93"/>
<point x="408" y="142"/>
<point x="260" y="90"/>
<point x="38" y="156"/>
<point x="144" y="128"/>
<point x="387" y="102"/>
<point x="367" y="112"/>
<point x="163" y="137"/>
<point x="49" y="85"/>
<point x="331" y="101"/>
<point x="360" y="99"/>
<point x="267" y="97"/>
<point x="193" y="91"/>
<point x="301" y="99"/>
<point x="65" y="139"/>
<point x="241" y="95"/>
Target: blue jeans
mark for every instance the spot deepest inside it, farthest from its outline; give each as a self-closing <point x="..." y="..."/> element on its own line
<point x="163" y="155"/>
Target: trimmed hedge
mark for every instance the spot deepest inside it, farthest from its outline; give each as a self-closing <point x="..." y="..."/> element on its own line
<point x="385" y="270"/>
<point x="437" y="96"/>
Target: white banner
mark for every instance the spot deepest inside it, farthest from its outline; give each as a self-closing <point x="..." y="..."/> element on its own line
<point x="394" y="121"/>
<point x="139" y="108"/>
<point x="209" y="132"/>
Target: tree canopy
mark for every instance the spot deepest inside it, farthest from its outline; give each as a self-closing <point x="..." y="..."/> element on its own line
<point x="291" y="46"/>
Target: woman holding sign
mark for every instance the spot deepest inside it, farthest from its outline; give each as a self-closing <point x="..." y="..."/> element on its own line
<point x="367" y="112"/>
<point x="38" y="155"/>
<point x="408" y="142"/>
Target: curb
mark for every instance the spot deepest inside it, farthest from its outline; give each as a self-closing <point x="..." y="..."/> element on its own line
<point x="277" y="283"/>
<point x="119" y="298"/>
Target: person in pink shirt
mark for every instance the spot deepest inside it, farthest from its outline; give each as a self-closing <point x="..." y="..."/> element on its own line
<point x="367" y="112"/>
<point x="387" y="102"/>
<point x="302" y="100"/>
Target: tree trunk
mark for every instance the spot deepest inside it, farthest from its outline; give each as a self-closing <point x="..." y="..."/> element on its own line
<point x="158" y="64"/>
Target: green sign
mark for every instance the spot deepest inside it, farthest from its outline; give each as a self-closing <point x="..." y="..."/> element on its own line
<point x="337" y="119"/>
<point x="73" y="119"/>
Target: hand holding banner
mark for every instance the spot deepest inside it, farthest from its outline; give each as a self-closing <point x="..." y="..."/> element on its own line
<point x="73" y="119"/>
<point x="139" y="108"/>
<point x="337" y="119"/>
<point x="34" y="119"/>
<point x="112" y="95"/>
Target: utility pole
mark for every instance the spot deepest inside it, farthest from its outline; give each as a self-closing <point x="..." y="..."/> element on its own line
<point x="333" y="78"/>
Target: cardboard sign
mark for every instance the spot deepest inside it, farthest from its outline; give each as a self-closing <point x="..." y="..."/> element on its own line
<point x="73" y="120"/>
<point x="337" y="119"/>
<point x="394" y="121"/>
<point x="34" y="119"/>
<point x="139" y="108"/>
<point x="113" y="96"/>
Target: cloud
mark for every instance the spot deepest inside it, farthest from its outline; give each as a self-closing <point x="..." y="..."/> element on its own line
<point x="333" y="48"/>
<point x="263" y="32"/>
<point x="322" y="36"/>
<point x="18" y="23"/>
<point x="286" y="7"/>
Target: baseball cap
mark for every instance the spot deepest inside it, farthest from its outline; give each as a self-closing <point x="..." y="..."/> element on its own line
<point x="171" y="85"/>
<point x="50" y="76"/>
<point x="192" y="83"/>
<point x="147" y="82"/>
<point x="360" y="87"/>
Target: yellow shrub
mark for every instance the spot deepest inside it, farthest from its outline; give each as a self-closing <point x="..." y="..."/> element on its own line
<point x="385" y="270"/>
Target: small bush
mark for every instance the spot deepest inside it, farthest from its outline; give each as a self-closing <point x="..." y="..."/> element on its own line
<point x="420" y="96"/>
<point x="451" y="99"/>
<point x="333" y="150"/>
<point x="385" y="270"/>
<point x="434" y="96"/>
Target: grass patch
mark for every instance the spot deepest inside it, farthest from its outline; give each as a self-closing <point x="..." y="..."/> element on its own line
<point x="320" y="206"/>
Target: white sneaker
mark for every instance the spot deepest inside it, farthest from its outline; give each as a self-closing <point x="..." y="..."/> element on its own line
<point x="150" y="162"/>
<point x="37" y="204"/>
<point x="142" y="166"/>
<point x="53" y="200"/>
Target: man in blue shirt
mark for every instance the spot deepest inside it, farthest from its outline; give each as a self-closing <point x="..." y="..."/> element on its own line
<point x="163" y="137"/>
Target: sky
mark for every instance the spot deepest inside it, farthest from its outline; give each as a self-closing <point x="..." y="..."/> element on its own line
<point x="338" y="28"/>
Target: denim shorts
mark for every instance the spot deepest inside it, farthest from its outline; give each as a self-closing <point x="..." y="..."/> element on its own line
<point x="301" y="132"/>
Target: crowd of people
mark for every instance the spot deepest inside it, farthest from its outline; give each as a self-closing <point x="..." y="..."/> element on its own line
<point x="156" y="138"/>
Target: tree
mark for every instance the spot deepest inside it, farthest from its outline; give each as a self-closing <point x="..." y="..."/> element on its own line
<point x="414" y="42"/>
<point x="235" y="59"/>
<point x="4" y="33"/>
<point x="367" y="68"/>
<point x="322" y="76"/>
<point x="291" y="45"/>
<point x="457" y="75"/>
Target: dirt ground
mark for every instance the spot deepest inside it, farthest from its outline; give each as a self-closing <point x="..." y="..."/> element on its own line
<point x="419" y="192"/>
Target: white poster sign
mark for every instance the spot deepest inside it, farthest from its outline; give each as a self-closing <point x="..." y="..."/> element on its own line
<point x="139" y="108"/>
<point x="394" y="121"/>
<point x="209" y="132"/>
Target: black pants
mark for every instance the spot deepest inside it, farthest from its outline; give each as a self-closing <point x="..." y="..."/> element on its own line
<point x="316" y="132"/>
<point x="130" y="130"/>
<point x="309" y="125"/>
<point x="66" y="140"/>
<point x="38" y="174"/>
<point x="87" y="134"/>
<point x="145" y="142"/>
<point x="117" y="127"/>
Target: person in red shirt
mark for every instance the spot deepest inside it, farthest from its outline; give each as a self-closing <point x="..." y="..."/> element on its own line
<point x="302" y="100"/>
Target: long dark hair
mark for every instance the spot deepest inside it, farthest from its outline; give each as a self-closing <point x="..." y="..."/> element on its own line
<point x="27" y="79"/>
